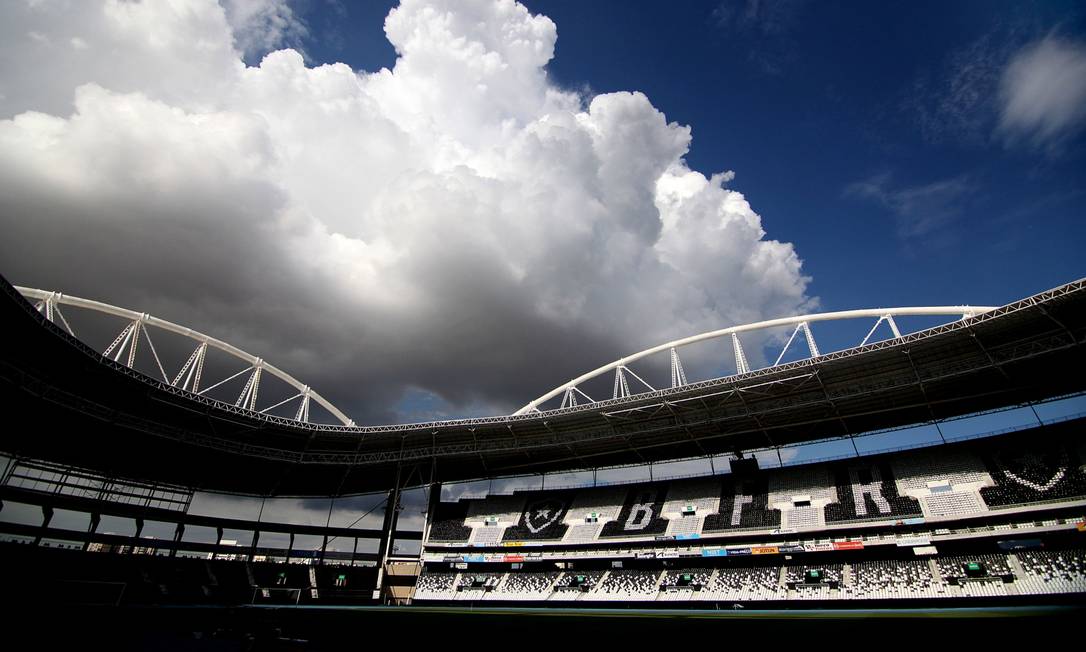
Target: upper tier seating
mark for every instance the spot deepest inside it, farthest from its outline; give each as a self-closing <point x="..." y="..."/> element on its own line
<point x="744" y="504"/>
<point x="811" y="482"/>
<point x="542" y="517"/>
<point x="491" y="516"/>
<point x="589" y="511"/>
<point x="916" y="469"/>
<point x="448" y="522"/>
<point x="582" y="533"/>
<point x="641" y="513"/>
<point x="1026" y="471"/>
<point x="504" y="510"/>
<point x="688" y="503"/>
<point x="952" y="504"/>
<point x="604" y="502"/>
<point x="868" y="491"/>
<point x="701" y="495"/>
<point x="947" y="482"/>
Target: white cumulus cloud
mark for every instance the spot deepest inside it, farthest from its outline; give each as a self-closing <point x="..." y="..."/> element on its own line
<point x="1043" y="92"/>
<point x="458" y="225"/>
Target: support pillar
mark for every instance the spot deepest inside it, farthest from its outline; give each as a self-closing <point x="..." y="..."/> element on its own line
<point x="177" y="534"/>
<point x="139" y="534"/>
<point x="46" y="517"/>
<point x="388" y="530"/>
<point x="431" y="511"/>
<point x="92" y="528"/>
<point x="218" y="542"/>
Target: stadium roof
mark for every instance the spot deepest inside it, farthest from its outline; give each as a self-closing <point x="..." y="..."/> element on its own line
<point x="67" y="403"/>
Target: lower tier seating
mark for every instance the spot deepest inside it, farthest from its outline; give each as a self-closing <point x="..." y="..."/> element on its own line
<point x="956" y="576"/>
<point x="1046" y="571"/>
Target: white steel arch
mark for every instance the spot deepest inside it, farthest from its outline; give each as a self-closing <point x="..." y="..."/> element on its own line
<point x="570" y="390"/>
<point x="189" y="375"/>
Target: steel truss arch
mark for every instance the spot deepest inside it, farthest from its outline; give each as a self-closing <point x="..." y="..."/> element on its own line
<point x="802" y="323"/>
<point x="190" y="374"/>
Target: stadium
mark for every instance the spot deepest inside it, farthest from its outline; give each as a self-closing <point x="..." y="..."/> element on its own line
<point x="985" y="523"/>
<point x="406" y="322"/>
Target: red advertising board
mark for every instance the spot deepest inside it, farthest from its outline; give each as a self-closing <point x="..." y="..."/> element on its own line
<point x="848" y="545"/>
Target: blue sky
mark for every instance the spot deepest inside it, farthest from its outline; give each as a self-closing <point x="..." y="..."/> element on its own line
<point x="865" y="133"/>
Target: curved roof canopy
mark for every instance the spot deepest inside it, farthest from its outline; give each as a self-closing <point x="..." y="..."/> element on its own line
<point x="70" y="404"/>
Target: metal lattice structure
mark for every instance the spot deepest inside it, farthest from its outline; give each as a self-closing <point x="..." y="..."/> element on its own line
<point x="572" y="395"/>
<point x="190" y="373"/>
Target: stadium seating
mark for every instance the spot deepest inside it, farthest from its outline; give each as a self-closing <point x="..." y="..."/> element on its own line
<point x="590" y="510"/>
<point x="628" y="584"/>
<point x="542" y="518"/>
<point x="527" y="586"/>
<point x="436" y="586"/>
<point x="1028" y="472"/>
<point x="827" y="586"/>
<point x="687" y="505"/>
<point x="746" y="584"/>
<point x="955" y="481"/>
<point x="582" y="533"/>
<point x="891" y="579"/>
<point x="916" y="470"/>
<point x="989" y="576"/>
<point x="772" y="579"/>
<point x="1047" y="571"/>
<point x="952" y="504"/>
<point x="448" y="522"/>
<point x="801" y="494"/>
<point x="866" y="491"/>
<point x="642" y="513"/>
<point x="684" y="584"/>
<point x="476" y="585"/>
<point x="576" y="584"/>
<point x="744" y="505"/>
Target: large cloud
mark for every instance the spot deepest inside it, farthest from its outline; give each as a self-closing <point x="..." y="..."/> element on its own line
<point x="457" y="225"/>
<point x="1043" y="92"/>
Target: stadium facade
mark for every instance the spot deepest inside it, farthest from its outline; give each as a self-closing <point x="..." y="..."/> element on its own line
<point x="994" y="520"/>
